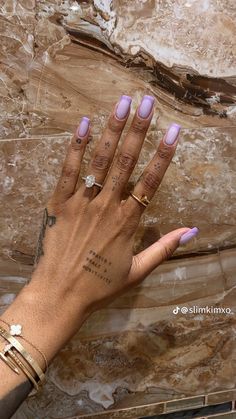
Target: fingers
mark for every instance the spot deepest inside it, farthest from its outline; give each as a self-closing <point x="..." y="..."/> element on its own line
<point x="105" y="150"/>
<point x="154" y="173"/>
<point x="71" y="166"/>
<point x="147" y="260"/>
<point x="127" y="157"/>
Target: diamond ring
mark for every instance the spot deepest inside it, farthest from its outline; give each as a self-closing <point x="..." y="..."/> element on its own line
<point x="90" y="181"/>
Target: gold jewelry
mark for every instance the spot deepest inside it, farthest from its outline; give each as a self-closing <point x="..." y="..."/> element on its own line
<point x="9" y="363"/>
<point x="25" y="355"/>
<point x="9" y="351"/>
<point x="143" y="200"/>
<point x="16" y="330"/>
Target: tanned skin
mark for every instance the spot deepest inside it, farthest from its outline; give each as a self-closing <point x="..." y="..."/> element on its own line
<point x="84" y="257"/>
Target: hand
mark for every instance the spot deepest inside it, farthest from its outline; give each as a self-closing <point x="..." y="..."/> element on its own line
<point x="88" y="245"/>
<point x="85" y="256"/>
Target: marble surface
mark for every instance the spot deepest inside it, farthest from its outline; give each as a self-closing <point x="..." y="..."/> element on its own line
<point x="200" y="181"/>
<point x="61" y="60"/>
<point x="137" y="351"/>
<point x="182" y="51"/>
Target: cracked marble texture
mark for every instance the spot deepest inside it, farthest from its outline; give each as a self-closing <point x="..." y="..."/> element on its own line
<point x="61" y="60"/>
<point x="136" y="351"/>
<point x="50" y="51"/>
<point x="200" y="180"/>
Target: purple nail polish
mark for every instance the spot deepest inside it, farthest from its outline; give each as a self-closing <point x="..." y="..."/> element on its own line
<point x="172" y="134"/>
<point x="123" y="107"/>
<point x="83" y="127"/>
<point x="186" y="237"/>
<point x="146" y="106"/>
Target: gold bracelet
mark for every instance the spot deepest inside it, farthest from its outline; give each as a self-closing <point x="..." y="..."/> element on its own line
<point x="9" y="363"/>
<point x="18" y="333"/>
<point x="27" y="357"/>
<point x="20" y="364"/>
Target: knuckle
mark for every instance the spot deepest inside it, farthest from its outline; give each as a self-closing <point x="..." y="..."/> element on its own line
<point x="166" y="252"/>
<point x="100" y="162"/>
<point x="114" y="126"/>
<point x="77" y="144"/>
<point x="68" y="171"/>
<point x="95" y="206"/>
<point x="67" y="195"/>
<point x="138" y="126"/>
<point x="53" y="206"/>
<point x="126" y="162"/>
<point x="151" y="181"/>
<point x="138" y="261"/>
<point x="165" y="153"/>
<point x="98" y="208"/>
<point x="131" y="220"/>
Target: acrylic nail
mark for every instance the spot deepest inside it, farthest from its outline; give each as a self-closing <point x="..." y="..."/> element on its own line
<point x="186" y="237"/>
<point x="172" y="134"/>
<point x="123" y="107"/>
<point x="83" y="127"/>
<point x="146" y="106"/>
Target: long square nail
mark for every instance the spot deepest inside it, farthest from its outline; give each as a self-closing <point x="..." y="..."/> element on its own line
<point x="186" y="237"/>
<point x="146" y="106"/>
<point x="123" y="107"/>
<point x="172" y="134"/>
<point x="83" y="127"/>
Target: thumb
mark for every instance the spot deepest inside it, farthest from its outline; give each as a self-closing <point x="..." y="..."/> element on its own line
<point x="147" y="260"/>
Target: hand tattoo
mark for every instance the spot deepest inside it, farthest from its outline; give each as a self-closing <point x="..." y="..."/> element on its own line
<point x="49" y="220"/>
<point x="97" y="265"/>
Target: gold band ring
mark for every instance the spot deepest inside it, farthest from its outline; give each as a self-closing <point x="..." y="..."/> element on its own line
<point x="143" y="200"/>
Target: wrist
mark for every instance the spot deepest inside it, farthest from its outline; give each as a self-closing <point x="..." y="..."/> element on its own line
<point x="48" y="320"/>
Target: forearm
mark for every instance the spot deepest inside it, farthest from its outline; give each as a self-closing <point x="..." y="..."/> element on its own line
<point x="88" y="232"/>
<point x="48" y="323"/>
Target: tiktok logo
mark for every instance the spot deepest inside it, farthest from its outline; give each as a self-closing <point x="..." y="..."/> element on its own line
<point x="176" y="310"/>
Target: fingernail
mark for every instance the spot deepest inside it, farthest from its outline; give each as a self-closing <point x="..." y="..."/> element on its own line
<point x="186" y="237"/>
<point x="172" y="134"/>
<point x="123" y="107"/>
<point x="146" y="106"/>
<point x="83" y="127"/>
